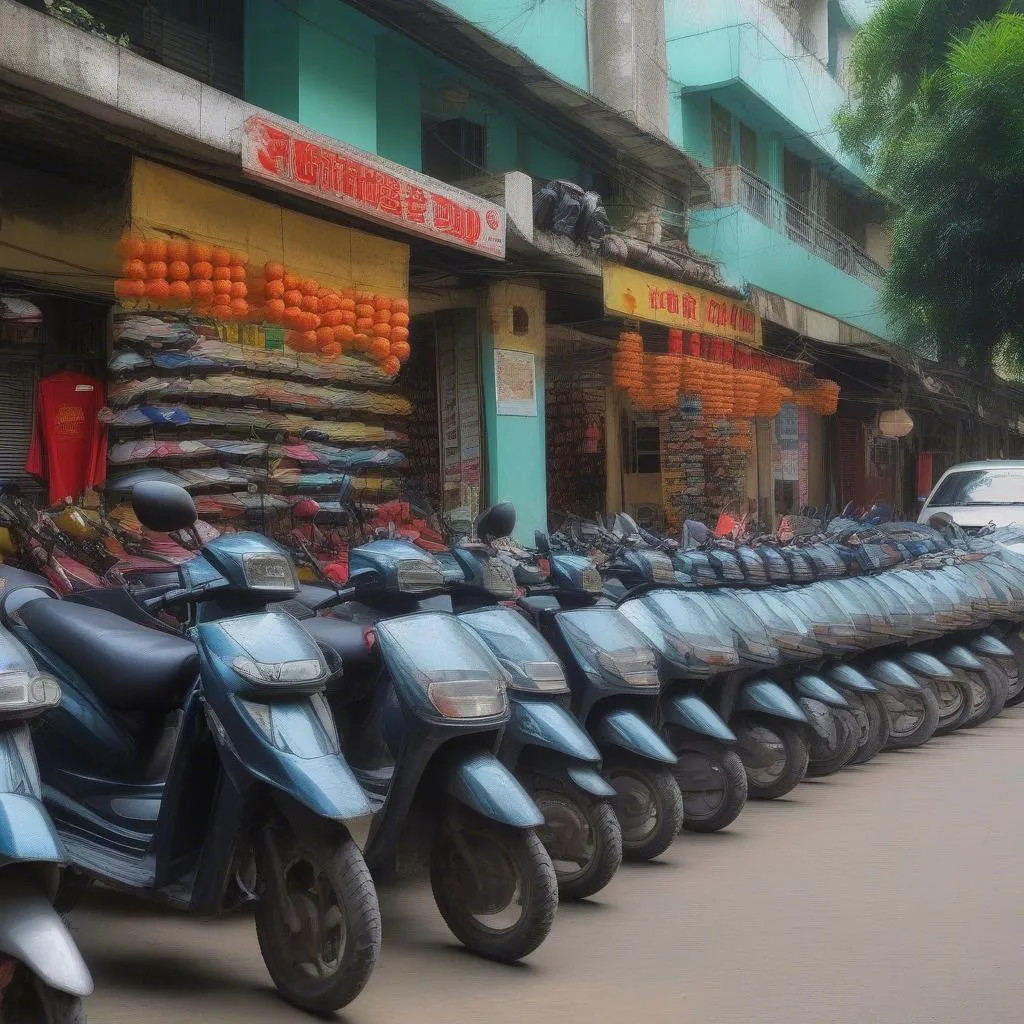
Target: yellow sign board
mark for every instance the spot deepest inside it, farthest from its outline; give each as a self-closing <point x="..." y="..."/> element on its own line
<point x="642" y="296"/>
<point x="176" y="204"/>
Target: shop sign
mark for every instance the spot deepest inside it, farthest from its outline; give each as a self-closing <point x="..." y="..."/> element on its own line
<point x="641" y="296"/>
<point x="364" y="184"/>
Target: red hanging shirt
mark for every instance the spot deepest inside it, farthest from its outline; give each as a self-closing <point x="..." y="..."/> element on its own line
<point x="69" y="444"/>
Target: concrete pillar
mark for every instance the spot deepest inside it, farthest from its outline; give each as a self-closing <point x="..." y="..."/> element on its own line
<point x="628" y="61"/>
<point x="513" y="330"/>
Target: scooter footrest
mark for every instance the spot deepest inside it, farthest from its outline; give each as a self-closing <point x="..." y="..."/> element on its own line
<point x="108" y="865"/>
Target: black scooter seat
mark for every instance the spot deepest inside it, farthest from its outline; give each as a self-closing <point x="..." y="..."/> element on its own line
<point x="129" y="667"/>
<point x="346" y="639"/>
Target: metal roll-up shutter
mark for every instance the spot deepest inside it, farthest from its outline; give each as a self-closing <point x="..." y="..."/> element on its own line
<point x="17" y="403"/>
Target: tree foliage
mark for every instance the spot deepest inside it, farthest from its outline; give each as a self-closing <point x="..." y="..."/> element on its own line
<point x="939" y="117"/>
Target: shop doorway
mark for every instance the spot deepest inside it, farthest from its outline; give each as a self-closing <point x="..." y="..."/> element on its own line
<point x="442" y="381"/>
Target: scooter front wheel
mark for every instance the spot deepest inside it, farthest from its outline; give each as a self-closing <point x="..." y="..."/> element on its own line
<point x="26" y="1000"/>
<point x="873" y="723"/>
<point x="913" y="717"/>
<point x="774" y="754"/>
<point x="828" y="756"/>
<point x="999" y="683"/>
<point x="318" y="922"/>
<point x="580" y="833"/>
<point x="494" y="885"/>
<point x="712" y="780"/>
<point x="649" y="807"/>
<point x="954" y="697"/>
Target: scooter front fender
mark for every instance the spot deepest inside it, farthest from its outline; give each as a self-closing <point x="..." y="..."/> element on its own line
<point x="891" y="673"/>
<point x="768" y="698"/>
<point x="32" y="931"/>
<point x="958" y="656"/>
<point x="814" y="687"/>
<point x="544" y="724"/>
<point x="294" y="755"/>
<point x="924" y="665"/>
<point x="690" y="712"/>
<point x="991" y="646"/>
<point x="27" y="834"/>
<point x="626" y="730"/>
<point x="483" y="784"/>
<point x="591" y="781"/>
<point x="851" y="678"/>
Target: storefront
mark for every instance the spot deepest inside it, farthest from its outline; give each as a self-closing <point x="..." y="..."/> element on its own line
<point x="689" y="423"/>
<point x="258" y="355"/>
<point x="56" y="265"/>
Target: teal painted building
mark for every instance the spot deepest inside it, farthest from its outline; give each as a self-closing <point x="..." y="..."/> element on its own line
<point x="754" y="86"/>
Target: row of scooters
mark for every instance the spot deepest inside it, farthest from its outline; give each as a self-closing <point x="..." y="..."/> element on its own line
<point x="214" y="734"/>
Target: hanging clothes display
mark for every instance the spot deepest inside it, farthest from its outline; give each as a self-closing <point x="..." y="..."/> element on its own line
<point x="69" y="446"/>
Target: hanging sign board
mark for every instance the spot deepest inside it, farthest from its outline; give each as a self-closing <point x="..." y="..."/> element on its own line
<point x="515" y="382"/>
<point x="641" y="296"/>
<point x="331" y="172"/>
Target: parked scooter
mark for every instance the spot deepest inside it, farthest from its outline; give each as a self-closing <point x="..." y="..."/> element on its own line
<point x="615" y="693"/>
<point x="544" y="745"/>
<point x="207" y="773"/>
<point x="42" y="975"/>
<point x="764" y="722"/>
<point x="422" y="709"/>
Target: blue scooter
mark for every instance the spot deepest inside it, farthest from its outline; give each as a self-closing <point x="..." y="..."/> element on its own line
<point x="422" y="709"/>
<point x="42" y="975"/>
<point x="544" y="745"/>
<point x="207" y="772"/>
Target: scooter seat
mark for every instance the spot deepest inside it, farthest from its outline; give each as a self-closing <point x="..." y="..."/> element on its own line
<point x="129" y="667"/>
<point x="346" y="639"/>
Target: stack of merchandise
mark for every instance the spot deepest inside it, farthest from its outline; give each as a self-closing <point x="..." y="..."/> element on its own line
<point x="248" y="429"/>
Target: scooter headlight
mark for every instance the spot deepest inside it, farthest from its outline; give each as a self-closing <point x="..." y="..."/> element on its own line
<point x="635" y="666"/>
<point x="537" y="676"/>
<point x="468" y="698"/>
<point x="418" y="576"/>
<point x="499" y="580"/>
<point x="23" y="692"/>
<point x="267" y="571"/>
<point x="306" y="671"/>
<point x="704" y="651"/>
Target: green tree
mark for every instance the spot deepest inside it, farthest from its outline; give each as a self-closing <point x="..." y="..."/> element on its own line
<point x="938" y="115"/>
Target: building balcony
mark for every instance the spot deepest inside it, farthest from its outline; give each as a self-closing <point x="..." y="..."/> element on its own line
<point x="767" y="65"/>
<point x="763" y="238"/>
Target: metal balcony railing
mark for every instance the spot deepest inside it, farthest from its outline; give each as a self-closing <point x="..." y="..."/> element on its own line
<point x="736" y="186"/>
<point x="791" y="18"/>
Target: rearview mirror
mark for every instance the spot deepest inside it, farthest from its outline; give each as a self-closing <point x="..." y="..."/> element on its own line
<point x="541" y="542"/>
<point x="163" y="507"/>
<point x="497" y="521"/>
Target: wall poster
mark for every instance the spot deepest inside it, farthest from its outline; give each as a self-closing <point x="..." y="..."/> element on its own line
<point x="515" y="382"/>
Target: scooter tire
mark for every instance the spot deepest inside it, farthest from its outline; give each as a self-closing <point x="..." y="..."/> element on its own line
<point x="873" y="723"/>
<point x="795" y="755"/>
<point x="984" y="694"/>
<point x="341" y="865"/>
<point x="925" y="707"/>
<point x="999" y="681"/>
<point x="28" y="1001"/>
<point x="531" y="868"/>
<point x="556" y="797"/>
<point x="698" y="754"/>
<point x="1016" y="644"/>
<point x="955" y="702"/>
<point x="822" y="761"/>
<point x="663" y="803"/>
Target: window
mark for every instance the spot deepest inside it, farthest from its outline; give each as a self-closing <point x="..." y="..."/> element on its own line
<point x="981" y="487"/>
<point x="721" y="135"/>
<point x="454" y="150"/>
<point x="641" y="443"/>
<point x="748" y="148"/>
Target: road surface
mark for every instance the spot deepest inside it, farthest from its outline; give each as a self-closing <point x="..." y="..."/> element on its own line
<point x="889" y="893"/>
